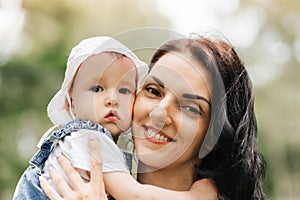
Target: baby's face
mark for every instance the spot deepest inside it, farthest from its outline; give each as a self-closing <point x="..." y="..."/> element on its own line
<point x="103" y="91"/>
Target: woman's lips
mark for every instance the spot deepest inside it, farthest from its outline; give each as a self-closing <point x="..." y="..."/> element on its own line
<point x="156" y="136"/>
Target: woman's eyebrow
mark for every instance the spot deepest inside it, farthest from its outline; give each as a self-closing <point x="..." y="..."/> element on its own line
<point x="194" y="96"/>
<point x="159" y="82"/>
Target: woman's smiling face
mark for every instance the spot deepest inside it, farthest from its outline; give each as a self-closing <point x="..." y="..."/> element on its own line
<point x="172" y="112"/>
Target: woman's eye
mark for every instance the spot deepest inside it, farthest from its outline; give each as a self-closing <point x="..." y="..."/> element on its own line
<point x="192" y="109"/>
<point x="97" y="88"/>
<point x="124" y="91"/>
<point x="153" y="91"/>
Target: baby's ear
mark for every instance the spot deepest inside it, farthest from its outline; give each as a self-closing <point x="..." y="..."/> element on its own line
<point x="69" y="102"/>
<point x="67" y="105"/>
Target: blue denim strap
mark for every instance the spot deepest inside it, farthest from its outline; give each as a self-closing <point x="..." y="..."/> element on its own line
<point x="50" y="142"/>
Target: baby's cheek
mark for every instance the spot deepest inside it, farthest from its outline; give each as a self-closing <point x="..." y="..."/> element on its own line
<point x="130" y="106"/>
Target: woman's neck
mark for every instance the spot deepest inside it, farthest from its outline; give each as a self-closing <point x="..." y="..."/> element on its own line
<point x="173" y="178"/>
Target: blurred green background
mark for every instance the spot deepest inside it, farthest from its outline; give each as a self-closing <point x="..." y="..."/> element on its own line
<point x="36" y="37"/>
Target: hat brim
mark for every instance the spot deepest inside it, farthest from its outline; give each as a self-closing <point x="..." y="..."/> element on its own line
<point x="57" y="111"/>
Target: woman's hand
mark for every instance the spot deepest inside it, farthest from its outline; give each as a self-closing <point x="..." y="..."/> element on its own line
<point x="78" y="189"/>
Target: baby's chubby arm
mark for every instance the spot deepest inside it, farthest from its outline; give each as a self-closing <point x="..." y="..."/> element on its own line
<point x="122" y="186"/>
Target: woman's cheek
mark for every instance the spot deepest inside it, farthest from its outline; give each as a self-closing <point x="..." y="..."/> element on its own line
<point x="188" y="124"/>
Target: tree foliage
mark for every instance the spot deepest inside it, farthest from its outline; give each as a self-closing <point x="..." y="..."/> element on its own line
<point x="29" y="81"/>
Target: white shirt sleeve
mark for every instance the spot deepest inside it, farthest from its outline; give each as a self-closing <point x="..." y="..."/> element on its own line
<point x="75" y="147"/>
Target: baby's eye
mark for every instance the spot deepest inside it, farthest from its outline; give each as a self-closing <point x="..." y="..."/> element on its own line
<point x="153" y="91"/>
<point x="192" y="109"/>
<point x="97" y="88"/>
<point x="124" y="91"/>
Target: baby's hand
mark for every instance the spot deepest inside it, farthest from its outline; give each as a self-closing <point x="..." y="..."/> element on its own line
<point x="204" y="189"/>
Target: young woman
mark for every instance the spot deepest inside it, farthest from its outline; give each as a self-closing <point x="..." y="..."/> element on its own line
<point x="193" y="119"/>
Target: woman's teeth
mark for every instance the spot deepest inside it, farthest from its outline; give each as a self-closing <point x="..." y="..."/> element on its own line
<point x="157" y="136"/>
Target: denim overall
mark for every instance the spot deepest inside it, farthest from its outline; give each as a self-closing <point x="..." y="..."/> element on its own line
<point x="29" y="185"/>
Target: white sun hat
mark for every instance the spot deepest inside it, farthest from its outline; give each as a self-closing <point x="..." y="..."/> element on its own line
<point x="56" y="109"/>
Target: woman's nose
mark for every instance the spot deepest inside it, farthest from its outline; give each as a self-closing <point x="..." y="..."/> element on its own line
<point x="111" y="99"/>
<point x="159" y="116"/>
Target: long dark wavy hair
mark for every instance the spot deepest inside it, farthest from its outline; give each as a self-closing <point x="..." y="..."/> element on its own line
<point x="234" y="162"/>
